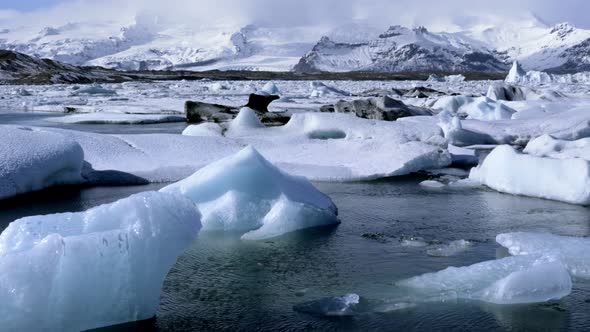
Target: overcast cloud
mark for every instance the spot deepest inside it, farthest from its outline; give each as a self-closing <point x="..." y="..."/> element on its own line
<point x="298" y="12"/>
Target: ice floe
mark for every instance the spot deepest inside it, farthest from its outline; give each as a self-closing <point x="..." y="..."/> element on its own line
<point x="547" y="146"/>
<point x="246" y="193"/>
<point x="511" y="280"/>
<point x="571" y="251"/>
<point x="509" y="171"/>
<point x="32" y="160"/>
<point x="105" y="266"/>
<point x="117" y="118"/>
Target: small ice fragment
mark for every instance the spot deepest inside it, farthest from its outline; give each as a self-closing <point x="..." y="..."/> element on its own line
<point x="450" y="249"/>
<point x="330" y="306"/>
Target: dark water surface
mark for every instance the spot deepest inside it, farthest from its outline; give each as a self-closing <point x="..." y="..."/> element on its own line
<point x="223" y="283"/>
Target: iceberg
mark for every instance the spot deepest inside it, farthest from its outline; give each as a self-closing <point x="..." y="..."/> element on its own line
<point x="343" y="147"/>
<point x="344" y="305"/>
<point x="476" y="108"/>
<point x="32" y="160"/>
<point x="319" y="89"/>
<point x="101" y="267"/>
<point x="511" y="280"/>
<point x="547" y="146"/>
<point x="508" y="171"/>
<point x="246" y="193"/>
<point x="571" y="251"/>
<point x="269" y="89"/>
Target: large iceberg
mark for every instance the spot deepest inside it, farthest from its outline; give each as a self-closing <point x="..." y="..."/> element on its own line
<point x="246" y="193"/>
<point x="32" y="160"/>
<point x="509" y="171"/>
<point x="511" y="280"/>
<point x="572" y="251"/>
<point x="343" y="147"/>
<point x="105" y="266"/>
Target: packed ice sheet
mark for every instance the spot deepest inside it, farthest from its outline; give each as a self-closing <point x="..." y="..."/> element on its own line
<point x="547" y="146"/>
<point x="117" y="118"/>
<point x="478" y="108"/>
<point x="511" y="280"/>
<point x="104" y="266"/>
<point x="343" y="147"/>
<point x="568" y="125"/>
<point x="572" y="251"/>
<point x="32" y="160"/>
<point x="509" y="171"/>
<point x="246" y="193"/>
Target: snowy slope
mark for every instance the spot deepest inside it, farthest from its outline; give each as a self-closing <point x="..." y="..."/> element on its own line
<point x="403" y="49"/>
<point x="535" y="44"/>
<point x="148" y="42"/>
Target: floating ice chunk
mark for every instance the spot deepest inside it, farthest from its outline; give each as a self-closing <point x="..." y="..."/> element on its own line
<point x="432" y="184"/>
<point x="269" y="89"/>
<point x="547" y="146"/>
<point x="217" y="87"/>
<point x="531" y="285"/>
<point x="449" y="79"/>
<point x="479" y="108"/>
<point x="204" y="129"/>
<point x="453" y="130"/>
<point x="94" y="89"/>
<point x="516" y="73"/>
<point x="32" y="160"/>
<point x="413" y="241"/>
<point x="572" y="251"/>
<point x="451" y="249"/>
<point x="463" y="156"/>
<point x="105" y="266"/>
<point x="245" y="120"/>
<point x="287" y="216"/>
<point x="330" y="306"/>
<point x="508" y="171"/>
<point x="117" y="118"/>
<point x="245" y="192"/>
<point x="319" y="89"/>
<point x="511" y="280"/>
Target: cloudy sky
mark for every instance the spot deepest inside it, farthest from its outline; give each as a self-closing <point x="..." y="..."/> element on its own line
<point x="302" y="12"/>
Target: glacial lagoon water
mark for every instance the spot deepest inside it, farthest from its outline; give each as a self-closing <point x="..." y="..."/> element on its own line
<point x="224" y="283"/>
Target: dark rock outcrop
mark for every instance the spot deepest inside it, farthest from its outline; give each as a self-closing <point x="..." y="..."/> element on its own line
<point x="503" y="91"/>
<point x="260" y="103"/>
<point x="380" y="108"/>
<point x="197" y="112"/>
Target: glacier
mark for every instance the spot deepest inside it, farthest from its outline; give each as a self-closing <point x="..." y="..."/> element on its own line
<point x="246" y="193"/>
<point x="101" y="267"/>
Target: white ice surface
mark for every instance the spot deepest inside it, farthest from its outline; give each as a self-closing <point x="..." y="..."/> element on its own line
<point x="511" y="280"/>
<point x="246" y="193"/>
<point x="509" y="171"/>
<point x="104" y="266"/>
<point x="117" y="118"/>
<point x="343" y="147"/>
<point x="547" y="146"/>
<point x="572" y="251"/>
<point x="32" y="159"/>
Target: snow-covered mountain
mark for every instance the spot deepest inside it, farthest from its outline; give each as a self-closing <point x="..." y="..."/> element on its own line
<point x="403" y="49"/>
<point x="147" y="42"/>
<point x="536" y="44"/>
